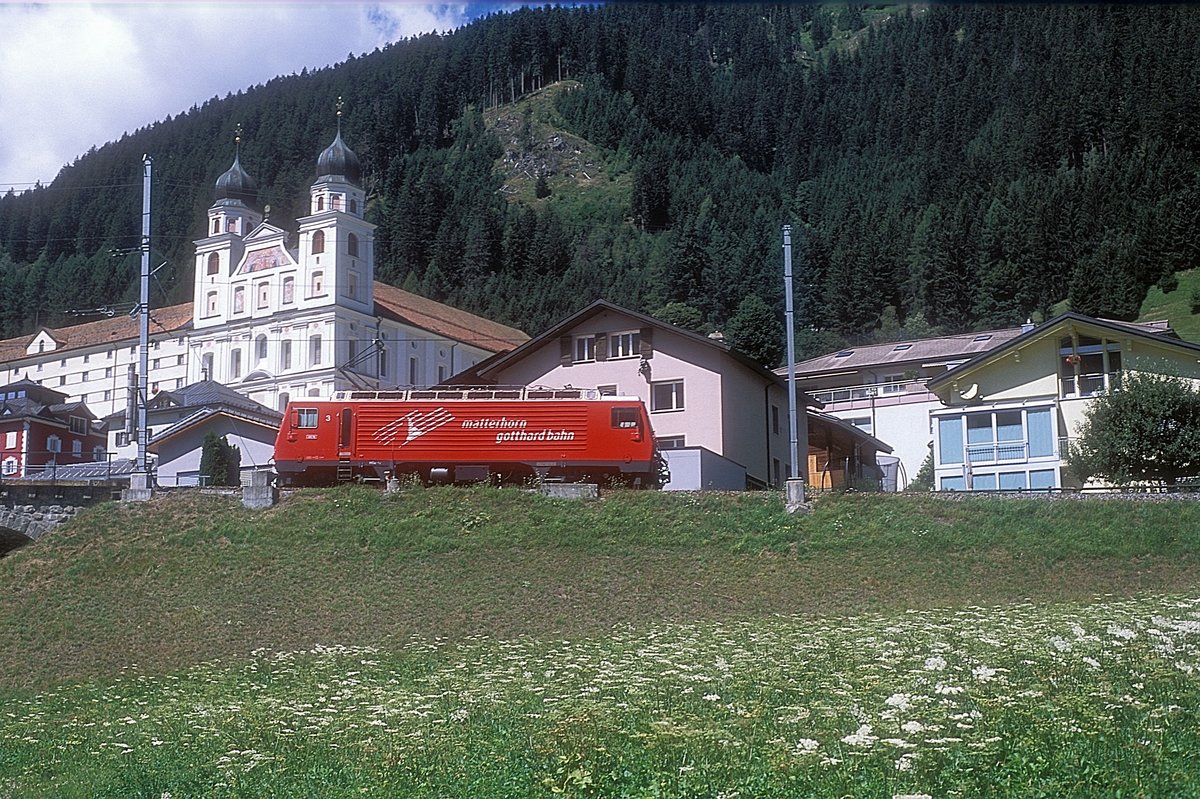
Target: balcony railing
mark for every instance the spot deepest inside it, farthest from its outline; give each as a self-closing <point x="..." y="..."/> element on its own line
<point x="997" y="452"/>
<point x="875" y="390"/>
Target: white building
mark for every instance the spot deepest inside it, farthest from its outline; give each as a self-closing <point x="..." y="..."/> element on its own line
<point x="270" y="318"/>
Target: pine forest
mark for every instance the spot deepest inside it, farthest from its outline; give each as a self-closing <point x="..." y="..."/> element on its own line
<point x="943" y="168"/>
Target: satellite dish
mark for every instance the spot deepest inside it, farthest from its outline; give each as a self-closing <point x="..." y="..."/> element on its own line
<point x="972" y="392"/>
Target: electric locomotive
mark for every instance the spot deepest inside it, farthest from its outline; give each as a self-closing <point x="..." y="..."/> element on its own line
<point x="457" y="435"/>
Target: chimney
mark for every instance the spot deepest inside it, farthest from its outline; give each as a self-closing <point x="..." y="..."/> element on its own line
<point x="1029" y="325"/>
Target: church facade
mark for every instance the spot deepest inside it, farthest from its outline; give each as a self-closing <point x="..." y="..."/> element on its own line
<point x="272" y="318"/>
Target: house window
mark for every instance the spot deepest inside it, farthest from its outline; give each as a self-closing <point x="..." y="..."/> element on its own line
<point x="306" y="417"/>
<point x="892" y="384"/>
<point x="153" y="365"/>
<point x="98" y="453"/>
<point x="210" y="304"/>
<point x="289" y="290"/>
<point x="214" y="264"/>
<point x="624" y="345"/>
<point x="264" y="294"/>
<point x="206" y="366"/>
<point x="670" y="442"/>
<point x="285" y="355"/>
<point x="863" y="423"/>
<point x="239" y="299"/>
<point x="235" y="363"/>
<point x="320" y="202"/>
<point x="10" y="439"/>
<point x="77" y="448"/>
<point x="585" y="349"/>
<point x="122" y="439"/>
<point x="314" y="351"/>
<point x="54" y="444"/>
<point x="775" y="419"/>
<point x="318" y="242"/>
<point x="10" y="465"/>
<point x="666" y="396"/>
<point x="1088" y="366"/>
<point x="78" y="425"/>
<point x="995" y="437"/>
<point x="318" y="283"/>
<point x="260" y="348"/>
<point x="352" y="245"/>
<point x="607" y="391"/>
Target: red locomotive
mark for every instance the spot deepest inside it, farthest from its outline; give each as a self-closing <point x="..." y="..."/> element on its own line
<point x="468" y="435"/>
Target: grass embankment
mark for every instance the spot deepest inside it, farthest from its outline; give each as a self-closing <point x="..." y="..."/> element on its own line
<point x="1176" y="306"/>
<point x="189" y="578"/>
<point x="489" y="643"/>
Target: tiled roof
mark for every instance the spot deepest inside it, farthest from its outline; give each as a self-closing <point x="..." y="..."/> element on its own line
<point x="90" y="334"/>
<point x="437" y="317"/>
<point x="391" y="302"/>
<point x="207" y="413"/>
<point x="942" y="348"/>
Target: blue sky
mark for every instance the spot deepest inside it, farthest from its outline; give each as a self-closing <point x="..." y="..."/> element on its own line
<point x="77" y="75"/>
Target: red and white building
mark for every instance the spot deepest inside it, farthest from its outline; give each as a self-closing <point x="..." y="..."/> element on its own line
<point x="40" y="430"/>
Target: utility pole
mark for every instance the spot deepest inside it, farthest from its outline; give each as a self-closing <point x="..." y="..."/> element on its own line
<point x="795" y="483"/>
<point x="139" y="482"/>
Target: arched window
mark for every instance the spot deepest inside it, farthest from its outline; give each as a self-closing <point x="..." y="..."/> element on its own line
<point x="289" y="290"/>
<point x="320" y="202"/>
<point x="352" y="245"/>
<point x="353" y="206"/>
<point x="214" y="264"/>
<point x="318" y="245"/>
<point x="216" y="226"/>
<point x="284" y="399"/>
<point x="206" y="366"/>
<point x="260" y="348"/>
<point x="235" y="363"/>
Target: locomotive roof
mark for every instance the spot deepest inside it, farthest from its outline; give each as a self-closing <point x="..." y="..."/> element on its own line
<point x="476" y="393"/>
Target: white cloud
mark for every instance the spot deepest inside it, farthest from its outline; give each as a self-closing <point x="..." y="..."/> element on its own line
<point x="75" y="76"/>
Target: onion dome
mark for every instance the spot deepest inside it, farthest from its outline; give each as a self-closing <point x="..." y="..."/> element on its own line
<point x="236" y="185"/>
<point x="339" y="163"/>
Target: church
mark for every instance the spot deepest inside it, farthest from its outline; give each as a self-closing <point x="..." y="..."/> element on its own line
<point x="270" y="317"/>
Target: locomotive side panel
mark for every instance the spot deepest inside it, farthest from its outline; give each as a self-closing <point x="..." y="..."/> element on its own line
<point x="330" y="441"/>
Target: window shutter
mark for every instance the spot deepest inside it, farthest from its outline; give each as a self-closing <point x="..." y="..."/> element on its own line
<point x="646" y="342"/>
<point x="601" y="345"/>
<point x="564" y="354"/>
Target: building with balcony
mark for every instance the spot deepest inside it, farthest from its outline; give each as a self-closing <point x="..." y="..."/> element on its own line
<point x="909" y="394"/>
<point x="1006" y="416"/>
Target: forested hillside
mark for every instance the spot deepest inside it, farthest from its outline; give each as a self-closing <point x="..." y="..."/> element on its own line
<point x="941" y="166"/>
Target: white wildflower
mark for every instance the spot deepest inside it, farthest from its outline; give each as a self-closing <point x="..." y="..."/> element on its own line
<point x="935" y="663"/>
<point x="860" y="737"/>
<point x="912" y="727"/>
<point x="805" y="746"/>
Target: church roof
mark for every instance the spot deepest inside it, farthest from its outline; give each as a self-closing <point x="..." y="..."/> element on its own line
<point x="436" y="317"/>
<point x="235" y="185"/>
<point x="339" y="162"/>
<point x="168" y="319"/>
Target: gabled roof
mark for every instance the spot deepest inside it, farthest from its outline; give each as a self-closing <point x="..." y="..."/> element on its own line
<point x="499" y="361"/>
<point x="204" y="414"/>
<point x="941" y="349"/>
<point x="207" y="394"/>
<point x="1156" y="331"/>
<point x="444" y="320"/>
<point x="106" y="331"/>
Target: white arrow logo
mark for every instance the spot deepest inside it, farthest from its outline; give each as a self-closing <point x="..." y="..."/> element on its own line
<point x="418" y="423"/>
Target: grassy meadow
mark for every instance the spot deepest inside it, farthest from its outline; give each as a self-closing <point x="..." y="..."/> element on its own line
<point x="493" y="643"/>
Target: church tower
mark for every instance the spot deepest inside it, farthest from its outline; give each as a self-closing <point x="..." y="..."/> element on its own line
<point x="337" y="245"/>
<point x="231" y="217"/>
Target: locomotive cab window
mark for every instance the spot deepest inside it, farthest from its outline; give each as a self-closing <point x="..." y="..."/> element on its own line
<point x="306" y="417"/>
<point x="625" y="417"/>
